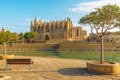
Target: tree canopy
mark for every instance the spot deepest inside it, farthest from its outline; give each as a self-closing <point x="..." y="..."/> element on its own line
<point x="29" y="35"/>
<point x="101" y="21"/>
<point x="7" y="37"/>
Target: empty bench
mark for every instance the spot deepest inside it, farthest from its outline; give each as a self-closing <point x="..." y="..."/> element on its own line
<point x="19" y="62"/>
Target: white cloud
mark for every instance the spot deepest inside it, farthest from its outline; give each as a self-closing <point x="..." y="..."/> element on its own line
<point x="90" y="6"/>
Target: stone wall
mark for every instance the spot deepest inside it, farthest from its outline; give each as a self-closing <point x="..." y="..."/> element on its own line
<point x="30" y="47"/>
<point x="63" y="46"/>
<point x="85" y="46"/>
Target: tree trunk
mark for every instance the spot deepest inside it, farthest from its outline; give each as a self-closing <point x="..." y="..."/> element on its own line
<point x="101" y="50"/>
<point x="4" y="48"/>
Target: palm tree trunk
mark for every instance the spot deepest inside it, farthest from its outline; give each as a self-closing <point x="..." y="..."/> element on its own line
<point x="101" y="50"/>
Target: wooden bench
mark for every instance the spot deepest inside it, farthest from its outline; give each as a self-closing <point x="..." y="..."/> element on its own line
<point x="19" y="62"/>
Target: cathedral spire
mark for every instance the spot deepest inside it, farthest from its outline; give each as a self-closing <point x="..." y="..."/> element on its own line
<point x="35" y="21"/>
<point x="31" y="26"/>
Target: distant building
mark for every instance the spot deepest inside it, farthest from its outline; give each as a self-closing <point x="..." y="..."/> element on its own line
<point x="3" y="29"/>
<point x="57" y="30"/>
<point x="109" y="37"/>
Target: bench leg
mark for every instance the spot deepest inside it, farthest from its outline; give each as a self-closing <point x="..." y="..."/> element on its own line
<point x="6" y="67"/>
<point x="31" y="66"/>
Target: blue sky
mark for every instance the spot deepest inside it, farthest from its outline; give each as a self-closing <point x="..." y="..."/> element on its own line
<point x="16" y="15"/>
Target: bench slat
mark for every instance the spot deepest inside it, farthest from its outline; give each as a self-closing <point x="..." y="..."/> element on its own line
<point x="18" y="61"/>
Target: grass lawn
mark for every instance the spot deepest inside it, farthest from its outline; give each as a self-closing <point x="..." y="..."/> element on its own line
<point x="83" y="55"/>
<point x="91" y="55"/>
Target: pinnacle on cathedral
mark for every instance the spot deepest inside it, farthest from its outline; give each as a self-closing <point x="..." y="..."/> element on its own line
<point x="31" y="23"/>
<point x="35" y="21"/>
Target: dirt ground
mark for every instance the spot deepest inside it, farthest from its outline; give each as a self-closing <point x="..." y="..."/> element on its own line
<point x="51" y="69"/>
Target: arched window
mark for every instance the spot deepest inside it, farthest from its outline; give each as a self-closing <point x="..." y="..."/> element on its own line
<point x="46" y="37"/>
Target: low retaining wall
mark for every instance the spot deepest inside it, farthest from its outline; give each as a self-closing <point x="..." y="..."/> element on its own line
<point x="64" y="46"/>
<point x="85" y="46"/>
<point x="109" y="68"/>
<point x="30" y="46"/>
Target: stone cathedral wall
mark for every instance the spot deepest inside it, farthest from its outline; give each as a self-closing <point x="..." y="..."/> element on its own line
<point x="62" y="30"/>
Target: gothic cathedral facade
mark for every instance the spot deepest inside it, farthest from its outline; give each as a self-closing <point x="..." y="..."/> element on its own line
<point x="57" y="30"/>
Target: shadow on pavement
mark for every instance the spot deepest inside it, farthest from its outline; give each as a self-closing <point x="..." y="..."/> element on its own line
<point x="74" y="71"/>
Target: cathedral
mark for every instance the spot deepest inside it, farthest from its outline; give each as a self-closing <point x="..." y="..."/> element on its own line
<point x="57" y="30"/>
